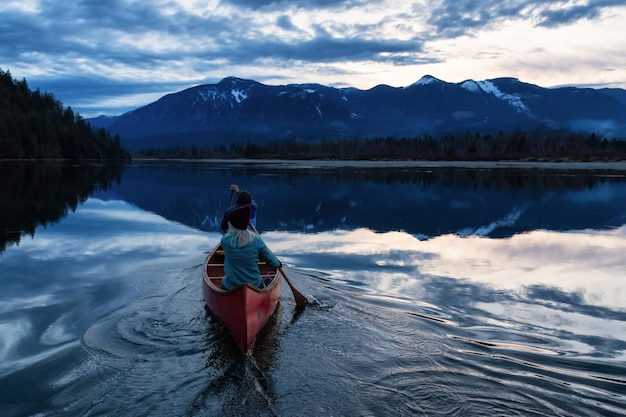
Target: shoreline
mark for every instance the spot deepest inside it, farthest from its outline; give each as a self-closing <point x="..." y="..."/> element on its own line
<point x="319" y="163"/>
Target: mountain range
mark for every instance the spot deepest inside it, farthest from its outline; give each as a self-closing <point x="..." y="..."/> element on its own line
<point x="240" y="110"/>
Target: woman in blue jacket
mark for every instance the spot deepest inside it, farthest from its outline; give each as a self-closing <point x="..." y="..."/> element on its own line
<point x="243" y="250"/>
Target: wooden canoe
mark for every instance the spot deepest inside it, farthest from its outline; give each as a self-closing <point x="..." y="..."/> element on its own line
<point x="244" y="310"/>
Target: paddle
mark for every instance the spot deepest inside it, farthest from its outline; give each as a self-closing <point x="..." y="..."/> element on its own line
<point x="301" y="300"/>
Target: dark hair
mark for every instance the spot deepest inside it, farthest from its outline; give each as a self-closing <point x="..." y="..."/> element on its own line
<point x="244" y="197"/>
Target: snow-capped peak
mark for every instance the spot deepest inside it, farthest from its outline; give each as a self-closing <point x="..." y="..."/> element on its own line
<point x="427" y="79"/>
<point x="471" y="85"/>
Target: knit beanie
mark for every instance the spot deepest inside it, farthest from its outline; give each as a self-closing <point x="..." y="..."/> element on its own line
<point x="240" y="217"/>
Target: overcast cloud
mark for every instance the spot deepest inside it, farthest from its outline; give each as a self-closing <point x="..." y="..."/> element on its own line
<point x="112" y="56"/>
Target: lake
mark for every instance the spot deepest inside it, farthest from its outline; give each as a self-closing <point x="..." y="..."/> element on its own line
<point x="435" y="290"/>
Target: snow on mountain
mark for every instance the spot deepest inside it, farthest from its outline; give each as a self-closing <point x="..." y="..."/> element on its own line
<point x="426" y="79"/>
<point x="490" y="88"/>
<point x="471" y="85"/>
<point x="245" y="110"/>
<point x="239" y="95"/>
<point x="211" y="94"/>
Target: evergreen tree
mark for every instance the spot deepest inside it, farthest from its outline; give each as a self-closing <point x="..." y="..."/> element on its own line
<point x="35" y="125"/>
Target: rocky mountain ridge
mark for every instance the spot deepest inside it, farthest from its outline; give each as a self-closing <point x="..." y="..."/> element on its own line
<point x="239" y="110"/>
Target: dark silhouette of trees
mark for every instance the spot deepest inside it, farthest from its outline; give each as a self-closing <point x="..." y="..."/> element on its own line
<point x="34" y="125"/>
<point x="472" y="146"/>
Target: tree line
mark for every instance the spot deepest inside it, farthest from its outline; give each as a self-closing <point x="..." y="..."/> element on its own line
<point x="471" y="146"/>
<point x="35" y="125"/>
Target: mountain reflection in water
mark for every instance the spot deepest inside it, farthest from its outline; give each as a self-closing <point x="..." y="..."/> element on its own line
<point x="425" y="202"/>
<point x="431" y="294"/>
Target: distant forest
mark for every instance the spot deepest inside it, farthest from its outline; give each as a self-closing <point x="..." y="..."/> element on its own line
<point x="516" y="145"/>
<point x="34" y="125"/>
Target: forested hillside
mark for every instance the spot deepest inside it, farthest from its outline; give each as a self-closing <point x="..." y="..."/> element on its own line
<point x="34" y="125"/>
<point x="516" y="145"/>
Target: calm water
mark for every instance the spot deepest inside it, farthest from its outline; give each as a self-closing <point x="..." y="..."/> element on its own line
<point x="436" y="292"/>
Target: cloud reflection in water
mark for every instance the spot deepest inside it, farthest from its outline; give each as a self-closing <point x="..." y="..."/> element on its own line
<point x="537" y="306"/>
<point x="556" y="283"/>
<point x="92" y="262"/>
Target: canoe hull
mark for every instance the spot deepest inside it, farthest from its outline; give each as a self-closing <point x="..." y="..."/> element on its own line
<point x="245" y="309"/>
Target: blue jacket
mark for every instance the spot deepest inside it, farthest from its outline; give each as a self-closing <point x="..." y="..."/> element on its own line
<point x="241" y="264"/>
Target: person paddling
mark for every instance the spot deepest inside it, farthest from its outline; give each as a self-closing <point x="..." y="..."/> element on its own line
<point x="244" y="198"/>
<point x="243" y="250"/>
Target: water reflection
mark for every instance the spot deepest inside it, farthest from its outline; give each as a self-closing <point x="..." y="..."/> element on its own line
<point x="425" y="202"/>
<point x="591" y="261"/>
<point x="101" y="312"/>
<point x="58" y="283"/>
<point x="567" y="282"/>
<point x="36" y="194"/>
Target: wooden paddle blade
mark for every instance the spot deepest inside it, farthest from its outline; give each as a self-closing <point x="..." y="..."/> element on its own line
<point x="301" y="300"/>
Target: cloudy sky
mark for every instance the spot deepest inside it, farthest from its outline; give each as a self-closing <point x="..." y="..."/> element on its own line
<point x="111" y="56"/>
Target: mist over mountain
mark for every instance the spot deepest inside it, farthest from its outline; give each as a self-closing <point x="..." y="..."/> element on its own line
<point x="239" y="110"/>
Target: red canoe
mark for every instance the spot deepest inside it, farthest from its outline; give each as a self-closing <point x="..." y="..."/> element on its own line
<point x="244" y="310"/>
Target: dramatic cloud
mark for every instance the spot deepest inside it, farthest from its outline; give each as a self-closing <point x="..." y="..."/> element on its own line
<point x="111" y="56"/>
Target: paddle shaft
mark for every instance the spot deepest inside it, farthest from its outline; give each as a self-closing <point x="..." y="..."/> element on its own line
<point x="301" y="300"/>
